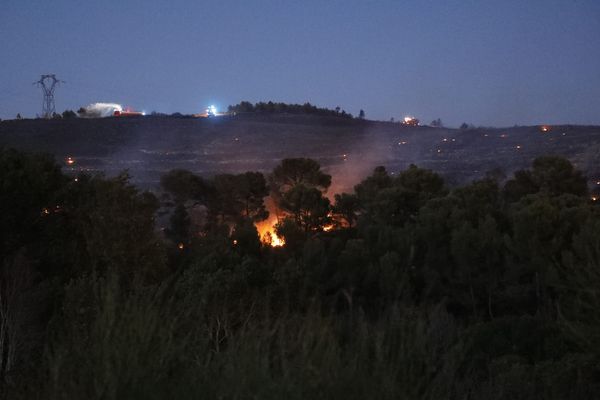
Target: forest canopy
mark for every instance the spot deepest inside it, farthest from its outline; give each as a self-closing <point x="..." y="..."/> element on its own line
<point x="404" y="288"/>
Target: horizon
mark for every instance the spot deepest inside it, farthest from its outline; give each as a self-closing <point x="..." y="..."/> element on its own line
<point x="486" y="65"/>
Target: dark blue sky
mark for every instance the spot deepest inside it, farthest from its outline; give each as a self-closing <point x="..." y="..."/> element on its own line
<point x="495" y="63"/>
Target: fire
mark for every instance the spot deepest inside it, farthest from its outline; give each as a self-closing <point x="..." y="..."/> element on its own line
<point x="266" y="231"/>
<point x="70" y="161"/>
<point x="411" y="121"/>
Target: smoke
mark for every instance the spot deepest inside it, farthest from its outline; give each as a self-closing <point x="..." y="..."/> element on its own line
<point x="99" y="110"/>
<point x="375" y="146"/>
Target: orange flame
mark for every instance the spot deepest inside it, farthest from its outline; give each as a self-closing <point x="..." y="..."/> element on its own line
<point x="266" y="231"/>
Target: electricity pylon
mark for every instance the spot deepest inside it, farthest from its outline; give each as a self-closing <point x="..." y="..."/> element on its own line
<point x="48" y="84"/>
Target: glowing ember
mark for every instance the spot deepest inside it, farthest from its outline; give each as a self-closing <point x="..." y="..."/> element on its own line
<point x="180" y="246"/>
<point x="545" y="128"/>
<point x="411" y="121"/>
<point x="234" y="242"/>
<point x="594" y="198"/>
<point x="70" y="161"/>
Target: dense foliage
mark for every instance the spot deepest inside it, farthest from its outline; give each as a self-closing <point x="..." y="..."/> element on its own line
<point x="273" y="107"/>
<point x="405" y="288"/>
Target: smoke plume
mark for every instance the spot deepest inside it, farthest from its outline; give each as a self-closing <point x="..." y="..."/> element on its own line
<point x="99" y="110"/>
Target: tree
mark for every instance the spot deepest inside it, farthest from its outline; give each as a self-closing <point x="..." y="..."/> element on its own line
<point x="464" y="126"/>
<point x="251" y="191"/>
<point x="550" y="175"/>
<point x="19" y="116"/>
<point x="361" y="114"/>
<point x="307" y="206"/>
<point x="291" y="232"/>
<point x="179" y="227"/>
<point x="69" y="114"/>
<point x="556" y="175"/>
<point x="245" y="237"/>
<point x="437" y="123"/>
<point x="396" y="200"/>
<point x="240" y="196"/>
<point x="521" y="185"/>
<point x="367" y="190"/>
<point x="423" y="181"/>
<point x="346" y="208"/>
<point x="184" y="185"/>
<point x="296" y="171"/>
<point x="30" y="184"/>
<point x="478" y="252"/>
<point x="109" y="225"/>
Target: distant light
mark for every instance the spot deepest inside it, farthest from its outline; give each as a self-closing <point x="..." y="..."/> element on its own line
<point x="70" y="161"/>
<point x="180" y="246"/>
<point x="518" y="147"/>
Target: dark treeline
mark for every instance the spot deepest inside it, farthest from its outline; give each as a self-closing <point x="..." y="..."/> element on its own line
<point x="271" y="107"/>
<point x="405" y="288"/>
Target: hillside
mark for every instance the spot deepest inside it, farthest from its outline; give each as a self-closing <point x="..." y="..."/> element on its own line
<point x="347" y="148"/>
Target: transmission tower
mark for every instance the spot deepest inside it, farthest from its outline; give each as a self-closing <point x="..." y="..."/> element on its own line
<point x="48" y="84"/>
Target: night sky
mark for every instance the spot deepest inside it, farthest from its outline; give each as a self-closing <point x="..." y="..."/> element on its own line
<point x="492" y="63"/>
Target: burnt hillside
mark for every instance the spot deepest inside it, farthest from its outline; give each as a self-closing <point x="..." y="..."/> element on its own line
<point x="348" y="148"/>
